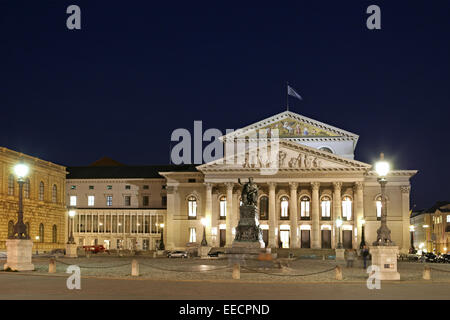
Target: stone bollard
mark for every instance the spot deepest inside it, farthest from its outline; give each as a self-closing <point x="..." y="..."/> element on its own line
<point x="426" y="273"/>
<point x="236" y="271"/>
<point x="338" y="273"/>
<point x="135" y="268"/>
<point x="52" y="266"/>
<point x="323" y="257"/>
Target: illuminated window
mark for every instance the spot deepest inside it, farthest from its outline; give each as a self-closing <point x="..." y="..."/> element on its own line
<point x="264" y="207"/>
<point x="41" y="191"/>
<point x="379" y="206"/>
<point x="223" y="207"/>
<point x="192" y="207"/>
<point x="73" y="200"/>
<point x="26" y="189"/>
<point x="284" y="207"/>
<point x="91" y="201"/>
<point x="109" y="201"/>
<point x="192" y="235"/>
<point x="326" y="207"/>
<point x="448" y="218"/>
<point x="11" y="185"/>
<point x="304" y="207"/>
<point x="347" y="208"/>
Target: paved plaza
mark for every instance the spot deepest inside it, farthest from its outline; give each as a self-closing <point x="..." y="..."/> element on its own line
<point x="108" y="277"/>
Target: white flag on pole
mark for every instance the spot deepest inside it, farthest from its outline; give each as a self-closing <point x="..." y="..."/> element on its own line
<point x="292" y="93"/>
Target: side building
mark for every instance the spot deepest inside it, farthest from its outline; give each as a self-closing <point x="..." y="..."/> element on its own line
<point x="43" y="201"/>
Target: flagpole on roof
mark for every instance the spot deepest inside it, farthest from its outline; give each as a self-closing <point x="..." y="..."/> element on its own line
<point x="287" y="96"/>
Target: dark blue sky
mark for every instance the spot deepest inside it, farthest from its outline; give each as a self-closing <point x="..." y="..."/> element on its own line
<point x="138" y="70"/>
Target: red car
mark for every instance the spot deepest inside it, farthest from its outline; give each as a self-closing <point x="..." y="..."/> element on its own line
<point x="95" y="249"/>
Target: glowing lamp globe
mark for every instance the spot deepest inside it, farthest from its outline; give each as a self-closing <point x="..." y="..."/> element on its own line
<point x="382" y="167"/>
<point x="363" y="221"/>
<point x="338" y="222"/>
<point x="162" y="225"/>
<point x="203" y="221"/>
<point x="21" y="170"/>
<point x="72" y="213"/>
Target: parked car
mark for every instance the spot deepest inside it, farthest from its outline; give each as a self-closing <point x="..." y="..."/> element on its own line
<point x="443" y="258"/>
<point x="177" y="254"/>
<point x="95" y="249"/>
<point x="429" y="257"/>
<point x="215" y="254"/>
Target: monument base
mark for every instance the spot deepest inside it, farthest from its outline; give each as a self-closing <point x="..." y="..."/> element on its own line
<point x="385" y="257"/>
<point x="340" y="254"/>
<point x="203" y="251"/>
<point x="19" y="255"/>
<point x="71" y="250"/>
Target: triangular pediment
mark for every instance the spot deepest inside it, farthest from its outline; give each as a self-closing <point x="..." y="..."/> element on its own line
<point x="292" y="125"/>
<point x="284" y="155"/>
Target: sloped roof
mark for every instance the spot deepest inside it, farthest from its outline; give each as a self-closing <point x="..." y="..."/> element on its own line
<point x="438" y="205"/>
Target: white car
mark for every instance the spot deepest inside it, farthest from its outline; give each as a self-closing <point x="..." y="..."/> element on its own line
<point x="177" y="254"/>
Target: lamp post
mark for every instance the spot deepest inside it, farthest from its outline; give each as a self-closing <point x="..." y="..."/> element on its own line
<point x="411" y="231"/>
<point x="383" y="233"/>
<point x="72" y="214"/>
<point x="204" y="243"/>
<point x="338" y="225"/>
<point x="20" y="229"/>
<point x="37" y="241"/>
<point x="363" y="237"/>
<point x="161" y="242"/>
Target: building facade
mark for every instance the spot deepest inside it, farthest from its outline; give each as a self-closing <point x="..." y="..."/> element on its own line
<point x="316" y="181"/>
<point x="431" y="228"/>
<point x="43" y="201"/>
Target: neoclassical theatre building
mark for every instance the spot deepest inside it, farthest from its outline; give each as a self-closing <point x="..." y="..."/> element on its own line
<point x="317" y="180"/>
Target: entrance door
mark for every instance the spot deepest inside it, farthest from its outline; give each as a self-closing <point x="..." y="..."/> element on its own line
<point x="265" y="235"/>
<point x="306" y="239"/>
<point x="326" y="239"/>
<point x="284" y="237"/>
<point x="223" y="237"/>
<point x="347" y="238"/>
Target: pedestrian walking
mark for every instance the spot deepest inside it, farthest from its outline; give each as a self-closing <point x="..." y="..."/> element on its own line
<point x="350" y="258"/>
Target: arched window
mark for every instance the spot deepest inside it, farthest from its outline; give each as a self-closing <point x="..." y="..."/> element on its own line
<point x="41" y="232"/>
<point x="192" y="207"/>
<point x="11" y="185"/>
<point x="54" y="194"/>
<point x="223" y="207"/>
<point x="347" y="208"/>
<point x="305" y="207"/>
<point x="264" y="208"/>
<point x="26" y="189"/>
<point x="379" y="206"/>
<point x="10" y="229"/>
<point x="325" y="205"/>
<point x="41" y="191"/>
<point x="284" y="208"/>
<point x="326" y="149"/>
<point x="54" y="234"/>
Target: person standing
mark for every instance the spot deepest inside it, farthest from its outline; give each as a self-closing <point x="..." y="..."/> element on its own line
<point x="365" y="254"/>
<point x="350" y="258"/>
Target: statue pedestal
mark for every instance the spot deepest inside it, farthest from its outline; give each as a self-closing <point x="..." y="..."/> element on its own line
<point x="203" y="251"/>
<point x="340" y="254"/>
<point x="19" y="255"/>
<point x="71" y="250"/>
<point x="385" y="257"/>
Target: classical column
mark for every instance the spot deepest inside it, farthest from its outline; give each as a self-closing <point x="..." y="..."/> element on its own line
<point x="169" y="227"/>
<point x="315" y="217"/>
<point x="293" y="215"/>
<point x="208" y="211"/>
<point x="405" y="219"/>
<point x="272" y="216"/>
<point x="229" y="217"/>
<point x="359" y="210"/>
<point x="337" y="207"/>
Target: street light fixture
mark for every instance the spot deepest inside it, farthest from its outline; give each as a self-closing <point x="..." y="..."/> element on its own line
<point x="161" y="242"/>
<point x="72" y="214"/>
<point x="204" y="243"/>
<point x="363" y="237"/>
<point x="411" y="231"/>
<point x="338" y="225"/>
<point x="20" y="229"/>
<point x="382" y="168"/>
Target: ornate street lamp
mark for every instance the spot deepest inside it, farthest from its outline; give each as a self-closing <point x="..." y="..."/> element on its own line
<point x="161" y="242"/>
<point x="411" y="231"/>
<point x="72" y="214"/>
<point x="338" y="225"/>
<point x="363" y="237"/>
<point x="20" y="229"/>
<point x="383" y="233"/>
<point x="204" y="243"/>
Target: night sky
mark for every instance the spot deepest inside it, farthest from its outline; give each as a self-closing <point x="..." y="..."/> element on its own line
<point x="137" y="70"/>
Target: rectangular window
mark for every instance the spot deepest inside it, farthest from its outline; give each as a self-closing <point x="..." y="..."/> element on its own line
<point x="192" y="235"/>
<point x="304" y="208"/>
<point x="145" y="187"/>
<point x="379" y="205"/>
<point x="73" y="200"/>
<point x="109" y="201"/>
<point x="191" y="180"/>
<point x="109" y="187"/>
<point x="127" y="187"/>
<point x="192" y="203"/>
<point x="91" y="201"/>
<point x="164" y="201"/>
<point x="127" y="201"/>
<point x="223" y="208"/>
<point x="145" y="201"/>
<point x="347" y="209"/>
<point x="73" y="187"/>
<point x="91" y="187"/>
<point x="448" y="218"/>
<point x="284" y="208"/>
<point x="326" y="208"/>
